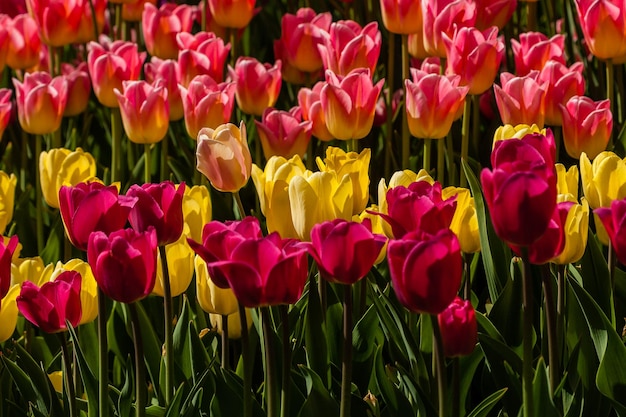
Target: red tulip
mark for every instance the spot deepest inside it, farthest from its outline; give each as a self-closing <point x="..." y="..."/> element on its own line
<point x="6" y="254"/>
<point x="311" y="105"/>
<point x="257" y="84"/>
<point x="459" y="330"/>
<point x="534" y="49"/>
<point x="124" y="263"/>
<point x="614" y="221"/>
<point x="283" y="133"/>
<point x="90" y="207"/>
<point x="206" y="104"/>
<point x="425" y="274"/>
<point x="55" y="302"/>
<point x="159" y="206"/>
<point x="350" y="46"/>
<point x="160" y="27"/>
<point x="24" y="43"/>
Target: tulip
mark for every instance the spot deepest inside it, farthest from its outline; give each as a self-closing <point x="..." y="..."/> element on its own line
<point x="257" y="84"/>
<point x="26" y="269"/>
<point x="425" y="274"/>
<point x="206" y="104"/>
<point x="211" y="298"/>
<point x="234" y="323"/>
<point x="211" y="24"/>
<point x="402" y="16"/>
<point x="197" y="211"/>
<point x="515" y="132"/>
<point x="55" y="302"/>
<point x="24" y="43"/>
<point x="371" y="215"/>
<point x="415" y="45"/>
<point x="165" y="72"/>
<point x="352" y="164"/>
<point x="521" y="100"/>
<point x="283" y="133"/>
<point x="613" y="221"/>
<point x="5" y="109"/>
<point x="465" y="221"/>
<point x="201" y="54"/>
<point x="223" y="156"/>
<point x="110" y="65"/>
<point x="158" y="206"/>
<point x="301" y="35"/>
<point x="567" y="183"/>
<point x="587" y="126"/>
<point x="562" y="84"/>
<point x="603" y="23"/>
<point x="350" y="46"/>
<point x="289" y="73"/>
<point x="475" y="56"/>
<point x="60" y="167"/>
<point x="344" y="251"/>
<point x="534" y="50"/>
<point x="8" y="313"/>
<point x="86" y="30"/>
<point x="133" y="12"/>
<point x="234" y="14"/>
<point x="349" y="104"/>
<point x="272" y="187"/>
<point x="575" y="228"/>
<point x="459" y="330"/>
<point x="5" y="21"/>
<point x="90" y="207"/>
<point x="161" y="25"/>
<point x="180" y="268"/>
<point x="124" y="263"/>
<point x="6" y="254"/>
<point x="145" y="111"/>
<point x="78" y="88"/>
<point x="41" y="102"/>
<point x="432" y="103"/>
<point x="311" y="105"/>
<point x="494" y="13"/>
<point x="13" y="8"/>
<point x="7" y="199"/>
<point x="444" y="17"/>
<point x="58" y="20"/>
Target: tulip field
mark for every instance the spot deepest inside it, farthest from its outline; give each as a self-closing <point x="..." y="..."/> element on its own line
<point x="305" y="208"/>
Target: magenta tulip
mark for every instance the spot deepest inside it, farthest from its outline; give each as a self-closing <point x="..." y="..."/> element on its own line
<point x="6" y="254"/>
<point x="614" y="221"/>
<point x="459" y="330"/>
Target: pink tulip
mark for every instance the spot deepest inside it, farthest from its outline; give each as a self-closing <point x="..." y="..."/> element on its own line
<point x="350" y="46"/>
<point x="86" y="30"/>
<point x="78" y="88"/>
<point x="199" y="54"/>
<point x="41" y="102"/>
<point x="349" y="104"/>
<point x="587" y="126"/>
<point x="24" y="42"/>
<point x="301" y="35"/>
<point x="5" y="109"/>
<point x="444" y="17"/>
<point x="521" y="100"/>
<point x="235" y="14"/>
<point x="402" y="16"/>
<point x="614" y="221"/>
<point x="290" y="73"/>
<point x="380" y="117"/>
<point x="132" y="12"/>
<point x="459" y="330"/>
<point x="6" y="255"/>
<point x="145" y="111"/>
<point x="494" y="13"/>
<point x="5" y="21"/>
<point x="311" y="106"/>
<point x="160" y="27"/>
<point x="58" y="20"/>
<point x="603" y="23"/>
<point x="534" y="49"/>
<point x="432" y="103"/>
<point x="562" y="84"/>
<point x="206" y="104"/>
<point x="167" y="72"/>
<point x="283" y="133"/>
<point x="257" y="84"/>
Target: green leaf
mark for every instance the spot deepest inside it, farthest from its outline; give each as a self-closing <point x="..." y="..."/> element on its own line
<point x="151" y="345"/>
<point x="89" y="380"/>
<point x="542" y="398"/>
<point x="594" y="273"/>
<point x="315" y="334"/>
<point x="175" y="406"/>
<point x="318" y="402"/>
<point x="485" y="406"/>
<point x="38" y="379"/>
<point x="506" y="313"/>
<point x="24" y="384"/>
<point x="366" y="336"/>
<point x="179" y="341"/>
<point x="125" y="400"/>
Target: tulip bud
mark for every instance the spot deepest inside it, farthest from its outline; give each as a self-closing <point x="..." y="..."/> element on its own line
<point x="459" y="330"/>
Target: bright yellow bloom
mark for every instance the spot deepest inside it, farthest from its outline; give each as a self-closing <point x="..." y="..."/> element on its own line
<point x="8" y="313"/>
<point x="60" y="167"/>
<point x="234" y="323"/>
<point x="465" y="222"/>
<point x="23" y="269"/>
<point x="567" y="183"/>
<point x="515" y="132"/>
<point x="377" y="226"/>
<point x="576" y="230"/>
<point x="352" y="164"/>
<point x="179" y="265"/>
<point x="7" y="198"/>
<point x="197" y="211"/>
<point x="212" y="299"/>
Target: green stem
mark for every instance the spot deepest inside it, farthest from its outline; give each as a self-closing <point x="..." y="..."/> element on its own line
<point x="167" y="311"/>
<point x="465" y="132"/>
<point x="531" y="16"/>
<point x="140" y="367"/>
<point x="24" y="160"/>
<point x="146" y="164"/>
<point x="440" y="363"/>
<point x="611" y="260"/>
<point x="38" y="195"/>
<point x="456" y="386"/>
<point x="560" y="306"/>
<point x="116" y="141"/>
<point x="441" y="150"/>
<point x="270" y="366"/>
<point x="103" y="357"/>
<point x="553" y="355"/>
<point x="610" y="92"/>
<point x="205" y="5"/>
<point x="475" y="123"/>
<point x="427" y="152"/>
<point x="527" y="309"/>
<point x="285" y="391"/>
<point x="247" y="369"/>
<point x="225" y="344"/>
<point x="467" y="288"/>
<point x="164" y="156"/>
<point x="67" y="375"/>
<point x="346" y="360"/>
<point x="390" y="88"/>
<point x="406" y="145"/>
<point x="310" y="157"/>
<point x="119" y="34"/>
<point x="233" y="46"/>
<point x="242" y="212"/>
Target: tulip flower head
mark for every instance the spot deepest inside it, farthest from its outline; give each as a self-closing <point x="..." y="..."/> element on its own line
<point x="206" y="103"/>
<point x="603" y="23"/>
<point x="60" y="167"/>
<point x="587" y="126"/>
<point x="180" y="268"/>
<point x="402" y="17"/>
<point x="521" y="100"/>
<point x="311" y="106"/>
<point x="24" y="42"/>
<point x="444" y="17"/>
<point x="9" y="312"/>
<point x="197" y="211"/>
<point x="41" y="102"/>
<point x="78" y="88"/>
<point x="350" y="46"/>
<point x="459" y="329"/>
<point x="60" y="21"/>
<point x="235" y="14"/>
<point x="604" y="180"/>
<point x="300" y="36"/>
<point x="5" y="109"/>
<point x="4" y="39"/>
<point x="614" y="221"/>
<point x="283" y="133"/>
<point x="211" y="298"/>
<point x="161" y="25"/>
<point x="562" y="84"/>
<point x="145" y="111"/>
<point x="465" y="222"/>
<point x="494" y="13"/>
<point x="534" y="50"/>
<point x="201" y="54"/>
<point x="6" y="254"/>
<point x="7" y="199"/>
<point x="165" y="72"/>
<point x="257" y="84"/>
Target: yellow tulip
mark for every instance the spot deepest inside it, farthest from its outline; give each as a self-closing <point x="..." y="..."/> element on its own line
<point x="576" y="229"/>
<point x="7" y="199"/>
<point x="180" y="267"/>
<point x="56" y="378"/>
<point x="567" y="183"/>
<point x="465" y="222"/>
<point x="60" y="167"/>
<point x="272" y="186"/>
<point x="352" y="164"/>
<point x="377" y="226"/>
<point x="515" y="132"/>
<point x="234" y="323"/>
<point x="23" y="269"/>
<point x="197" y="211"/>
<point x="212" y="299"/>
<point x="8" y="313"/>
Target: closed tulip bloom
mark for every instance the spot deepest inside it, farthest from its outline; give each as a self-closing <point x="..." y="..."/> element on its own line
<point x="58" y="20"/>
<point x="475" y="56"/>
<point x="26" y="269"/>
<point x="350" y="46"/>
<point x="201" y="54"/>
<point x="404" y="178"/>
<point x="587" y="126"/>
<point x="465" y="222"/>
<point x="213" y="299"/>
<point x="604" y="180"/>
<point x="562" y="84"/>
<point x="41" y="102"/>
<point x="5" y="21"/>
<point x="197" y="211"/>
<point x="345" y="251"/>
<point x="257" y="84"/>
<point x="521" y="100"/>
<point x="283" y="133"/>
<point x="311" y="105"/>
<point x="402" y="16"/>
<point x="603" y="23"/>
<point x="158" y="206"/>
<point x="349" y="104"/>
<point x="613" y="219"/>
<point x="6" y="254"/>
<point x="356" y="165"/>
<point x="223" y="156"/>
<point x="206" y="104"/>
<point x="234" y="14"/>
<point x="86" y="30"/>
<point x="5" y="109"/>
<point x="55" y="302"/>
<point x="165" y="72"/>
<point x="534" y="49"/>
<point x="289" y="73"/>
<point x="272" y="187"/>
<point x="7" y="199"/>
<point x="90" y="207"/>
<point x="301" y="33"/>
<point x="575" y="228"/>
<point x="111" y="64"/>
<point x="180" y="268"/>
<point x="567" y="182"/>
<point x="62" y="166"/>
<point x="8" y="312"/>
<point x="444" y="17"/>
<point x="145" y="111"/>
<point x="161" y="25"/>
<point x="416" y="45"/>
<point x="24" y="43"/>
<point x="459" y="330"/>
<point x="432" y="103"/>
<point x="494" y="13"/>
<point x="425" y="274"/>
<point x="124" y="263"/>
<point x="78" y="88"/>
<point x="371" y="214"/>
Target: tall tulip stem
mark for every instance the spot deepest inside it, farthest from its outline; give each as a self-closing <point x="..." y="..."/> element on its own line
<point x="428" y="144"/>
<point x="610" y="92"/>
<point x="346" y="360"/>
<point x="560" y="306"/>
<point x="116" y="143"/>
<point x="527" y="304"/>
<point x="390" y="87"/>
<point x="67" y="375"/>
<point x="147" y="164"/>
<point x="94" y="20"/>
<point x="38" y="195"/>
<point x="440" y="365"/>
<point x="205" y="6"/>
<point x="531" y="16"/>
<point x="550" y="309"/>
<point x="406" y="145"/>
<point x="167" y="311"/>
<point x="247" y="369"/>
<point x="103" y="357"/>
<point x="242" y="212"/>
<point x="465" y="133"/>
<point x="225" y="344"/>
<point x="270" y="365"/>
<point x="285" y="390"/>
<point x="140" y="367"/>
<point x="441" y="156"/>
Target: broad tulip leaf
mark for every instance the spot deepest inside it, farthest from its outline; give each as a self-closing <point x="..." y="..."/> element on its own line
<point x="594" y="274"/>
<point x="25" y="385"/>
<point x="175" y="406"/>
<point x="506" y="313"/>
<point x="366" y="335"/>
<point x="180" y="339"/>
<point x="485" y="406"/>
<point x="151" y="344"/>
<point x="125" y="400"/>
<point x="542" y="399"/>
<point x="318" y="402"/>
<point x="315" y="335"/>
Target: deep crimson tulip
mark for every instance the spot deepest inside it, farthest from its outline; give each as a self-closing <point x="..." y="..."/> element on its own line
<point x="124" y="263"/>
<point x="55" y="302"/>
<point x="425" y="274"/>
<point x="459" y="330"/>
<point x="159" y="206"/>
<point x="6" y="254"/>
<point x="614" y="221"/>
<point x="90" y="207"/>
<point x="345" y="251"/>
